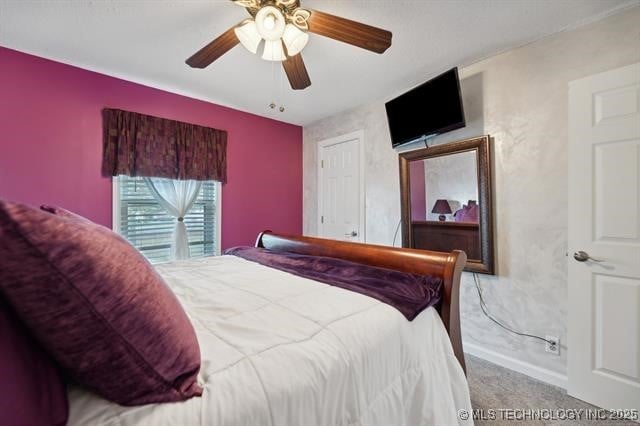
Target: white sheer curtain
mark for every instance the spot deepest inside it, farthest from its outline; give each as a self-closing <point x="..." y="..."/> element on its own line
<point x="176" y="197"/>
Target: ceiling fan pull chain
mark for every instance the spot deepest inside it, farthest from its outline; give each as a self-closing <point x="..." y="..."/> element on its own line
<point x="272" y="105"/>
<point x="281" y="109"/>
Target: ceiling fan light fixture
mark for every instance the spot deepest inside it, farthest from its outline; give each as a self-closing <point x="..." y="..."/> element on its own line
<point x="273" y="51"/>
<point x="270" y="23"/>
<point x="285" y="27"/>
<point x="248" y="35"/>
<point x="294" y="39"/>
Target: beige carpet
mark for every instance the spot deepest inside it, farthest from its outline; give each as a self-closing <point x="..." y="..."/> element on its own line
<point x="495" y="387"/>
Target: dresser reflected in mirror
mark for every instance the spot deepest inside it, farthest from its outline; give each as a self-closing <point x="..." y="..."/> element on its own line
<point x="447" y="201"/>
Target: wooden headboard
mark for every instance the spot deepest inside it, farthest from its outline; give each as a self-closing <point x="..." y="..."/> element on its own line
<point x="447" y="266"/>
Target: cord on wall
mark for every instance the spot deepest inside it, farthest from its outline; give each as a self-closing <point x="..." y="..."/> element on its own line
<point x="396" y="233"/>
<point x="485" y="310"/>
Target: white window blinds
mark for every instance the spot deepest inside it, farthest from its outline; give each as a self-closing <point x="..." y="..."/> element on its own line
<point x="148" y="227"/>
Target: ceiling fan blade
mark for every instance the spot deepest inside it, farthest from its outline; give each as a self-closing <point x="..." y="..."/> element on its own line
<point x="348" y="31"/>
<point x="296" y="72"/>
<point x="212" y="51"/>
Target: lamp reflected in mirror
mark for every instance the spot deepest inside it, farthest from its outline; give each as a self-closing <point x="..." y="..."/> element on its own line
<point x="442" y="208"/>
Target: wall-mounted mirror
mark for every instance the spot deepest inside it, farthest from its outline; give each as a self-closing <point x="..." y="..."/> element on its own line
<point x="447" y="201"/>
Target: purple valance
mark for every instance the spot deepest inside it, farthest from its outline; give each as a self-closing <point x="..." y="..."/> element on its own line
<point x="142" y="145"/>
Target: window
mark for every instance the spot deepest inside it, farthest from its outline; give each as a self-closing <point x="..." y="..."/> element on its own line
<point x="139" y="218"/>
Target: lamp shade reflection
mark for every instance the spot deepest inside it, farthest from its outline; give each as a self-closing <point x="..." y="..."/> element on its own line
<point x="442" y="208"/>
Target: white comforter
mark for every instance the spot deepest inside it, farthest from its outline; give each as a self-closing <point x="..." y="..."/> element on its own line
<point x="278" y="349"/>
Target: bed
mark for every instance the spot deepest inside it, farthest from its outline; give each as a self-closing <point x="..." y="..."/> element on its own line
<point x="279" y="349"/>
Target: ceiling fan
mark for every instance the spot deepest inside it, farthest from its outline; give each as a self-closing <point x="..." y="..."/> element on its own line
<point x="284" y="26"/>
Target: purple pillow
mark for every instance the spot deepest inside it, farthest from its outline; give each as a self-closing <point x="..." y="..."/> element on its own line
<point x="97" y="306"/>
<point x="62" y="212"/>
<point x="32" y="392"/>
<point x="468" y="213"/>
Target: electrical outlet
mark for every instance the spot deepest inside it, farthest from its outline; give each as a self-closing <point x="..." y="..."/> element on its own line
<point x="553" y="346"/>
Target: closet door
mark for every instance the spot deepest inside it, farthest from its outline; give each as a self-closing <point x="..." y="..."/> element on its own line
<point x="604" y="239"/>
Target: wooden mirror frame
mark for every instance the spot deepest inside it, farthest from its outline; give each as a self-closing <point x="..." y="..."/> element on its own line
<point x="480" y="144"/>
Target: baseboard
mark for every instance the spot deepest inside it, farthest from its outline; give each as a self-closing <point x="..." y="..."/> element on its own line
<point x="538" y="373"/>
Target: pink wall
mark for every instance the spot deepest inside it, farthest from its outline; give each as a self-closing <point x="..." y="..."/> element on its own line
<point x="418" y="190"/>
<point x="51" y="146"/>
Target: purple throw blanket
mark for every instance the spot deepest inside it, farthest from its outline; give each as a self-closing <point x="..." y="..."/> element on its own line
<point x="408" y="293"/>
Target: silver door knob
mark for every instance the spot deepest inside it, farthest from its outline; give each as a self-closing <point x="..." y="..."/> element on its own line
<point x="351" y="234"/>
<point x="583" y="256"/>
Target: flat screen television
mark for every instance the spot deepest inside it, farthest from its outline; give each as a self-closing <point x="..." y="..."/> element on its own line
<point x="430" y="109"/>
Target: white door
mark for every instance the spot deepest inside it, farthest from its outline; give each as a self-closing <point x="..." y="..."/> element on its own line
<point x="341" y="189"/>
<point x="604" y="223"/>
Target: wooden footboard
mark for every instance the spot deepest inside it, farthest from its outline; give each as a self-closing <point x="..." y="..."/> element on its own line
<point x="448" y="266"/>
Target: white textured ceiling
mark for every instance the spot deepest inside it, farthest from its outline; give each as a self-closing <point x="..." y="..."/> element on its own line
<point x="147" y="41"/>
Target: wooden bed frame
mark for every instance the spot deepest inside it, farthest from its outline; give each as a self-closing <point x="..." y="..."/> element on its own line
<point x="447" y="266"/>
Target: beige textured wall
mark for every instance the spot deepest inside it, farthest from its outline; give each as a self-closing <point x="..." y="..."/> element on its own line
<point x="520" y="99"/>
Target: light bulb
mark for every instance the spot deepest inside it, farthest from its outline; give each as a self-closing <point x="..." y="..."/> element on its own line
<point x="270" y="23"/>
<point x="294" y="39"/>
<point x="273" y="51"/>
<point x="248" y="35"/>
